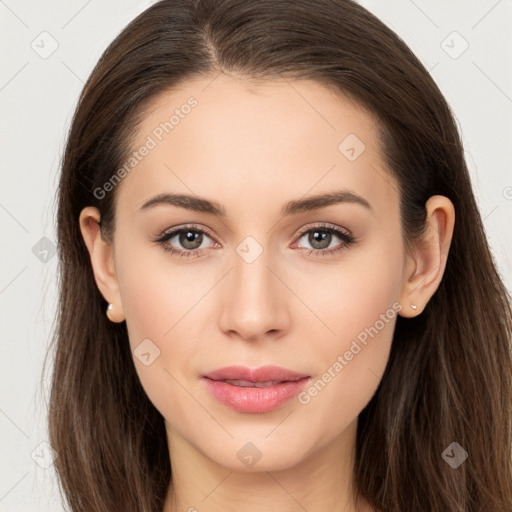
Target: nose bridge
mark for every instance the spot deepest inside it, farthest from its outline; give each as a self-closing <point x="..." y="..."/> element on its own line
<point x="254" y="303"/>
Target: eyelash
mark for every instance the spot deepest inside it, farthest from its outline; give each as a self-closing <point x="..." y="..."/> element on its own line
<point x="346" y="238"/>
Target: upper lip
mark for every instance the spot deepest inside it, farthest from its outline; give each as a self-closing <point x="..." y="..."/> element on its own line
<point x="261" y="374"/>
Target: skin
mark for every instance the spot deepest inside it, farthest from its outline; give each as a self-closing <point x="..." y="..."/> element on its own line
<point x="252" y="147"/>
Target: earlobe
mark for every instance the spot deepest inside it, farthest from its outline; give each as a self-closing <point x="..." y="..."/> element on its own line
<point x="102" y="261"/>
<point x="425" y="268"/>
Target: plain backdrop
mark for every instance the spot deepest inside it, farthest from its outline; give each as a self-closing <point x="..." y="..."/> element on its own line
<point x="49" y="48"/>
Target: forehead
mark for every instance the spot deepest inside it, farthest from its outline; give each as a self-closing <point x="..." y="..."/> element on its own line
<point x="237" y="142"/>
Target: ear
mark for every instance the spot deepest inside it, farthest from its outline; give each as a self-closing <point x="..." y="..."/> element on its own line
<point x="424" y="269"/>
<point x="102" y="261"/>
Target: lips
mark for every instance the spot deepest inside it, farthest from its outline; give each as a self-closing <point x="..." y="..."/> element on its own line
<point x="243" y="376"/>
<point x="257" y="390"/>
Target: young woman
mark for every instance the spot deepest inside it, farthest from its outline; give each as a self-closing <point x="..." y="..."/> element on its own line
<point x="276" y="289"/>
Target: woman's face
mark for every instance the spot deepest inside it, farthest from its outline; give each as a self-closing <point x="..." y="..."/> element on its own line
<point x="266" y="282"/>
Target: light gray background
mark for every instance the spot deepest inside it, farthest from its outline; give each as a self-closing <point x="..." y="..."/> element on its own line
<point x="38" y="93"/>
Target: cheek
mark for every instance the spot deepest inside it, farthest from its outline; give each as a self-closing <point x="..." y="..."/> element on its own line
<point x="158" y="308"/>
<point x="358" y="311"/>
<point x="158" y="296"/>
<point x="163" y="303"/>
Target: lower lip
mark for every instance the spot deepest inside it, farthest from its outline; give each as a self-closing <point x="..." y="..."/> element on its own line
<point x="251" y="399"/>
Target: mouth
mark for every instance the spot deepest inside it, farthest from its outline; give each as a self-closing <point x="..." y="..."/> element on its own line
<point x="254" y="394"/>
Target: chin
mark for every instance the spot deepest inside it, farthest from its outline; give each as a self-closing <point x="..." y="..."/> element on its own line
<point x="258" y="455"/>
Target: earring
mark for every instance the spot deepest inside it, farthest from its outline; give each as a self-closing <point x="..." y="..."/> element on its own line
<point x="118" y="317"/>
<point x="413" y="306"/>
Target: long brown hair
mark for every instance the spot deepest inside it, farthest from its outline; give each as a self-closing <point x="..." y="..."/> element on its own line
<point x="449" y="376"/>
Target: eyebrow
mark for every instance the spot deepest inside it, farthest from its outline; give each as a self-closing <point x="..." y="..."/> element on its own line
<point x="311" y="203"/>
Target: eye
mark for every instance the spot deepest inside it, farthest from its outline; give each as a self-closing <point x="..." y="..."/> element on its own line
<point x="321" y="236"/>
<point x="190" y="238"/>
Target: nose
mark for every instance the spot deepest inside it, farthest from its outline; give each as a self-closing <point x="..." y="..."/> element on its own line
<point x="254" y="299"/>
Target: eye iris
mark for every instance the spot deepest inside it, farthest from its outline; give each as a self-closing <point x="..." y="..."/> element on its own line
<point x="323" y="237"/>
<point x="189" y="239"/>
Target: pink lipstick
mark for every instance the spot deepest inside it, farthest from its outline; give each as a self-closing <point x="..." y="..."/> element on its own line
<point x="261" y="389"/>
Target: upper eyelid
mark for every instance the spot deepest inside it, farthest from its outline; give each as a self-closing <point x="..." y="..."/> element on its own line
<point x="192" y="227"/>
<point x="326" y="226"/>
